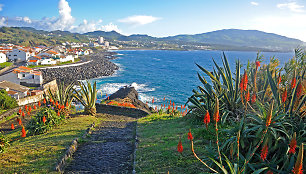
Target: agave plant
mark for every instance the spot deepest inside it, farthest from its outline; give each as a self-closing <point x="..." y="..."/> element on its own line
<point x="87" y="96"/>
<point x="63" y="96"/>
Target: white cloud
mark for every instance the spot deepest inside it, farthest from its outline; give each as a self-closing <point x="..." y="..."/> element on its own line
<point x="1" y="7"/>
<point x="254" y="3"/>
<point x="139" y="20"/>
<point x="293" y="6"/>
<point x="291" y="25"/>
<point x="65" y="21"/>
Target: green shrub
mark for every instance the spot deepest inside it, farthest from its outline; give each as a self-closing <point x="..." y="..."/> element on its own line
<point x="36" y="124"/>
<point x="4" y="142"/>
<point x="7" y="102"/>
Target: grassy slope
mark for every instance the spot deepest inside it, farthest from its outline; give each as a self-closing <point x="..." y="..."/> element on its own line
<point x="40" y="153"/>
<point x="157" y="148"/>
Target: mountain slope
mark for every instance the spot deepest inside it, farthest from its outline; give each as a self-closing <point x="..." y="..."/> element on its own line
<point x="245" y="38"/>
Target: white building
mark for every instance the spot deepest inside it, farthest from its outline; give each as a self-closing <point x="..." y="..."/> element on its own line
<point x="18" y="55"/>
<point x="14" y="90"/>
<point x="106" y="44"/>
<point x="100" y="40"/>
<point x="2" y="57"/>
<point x="24" y="76"/>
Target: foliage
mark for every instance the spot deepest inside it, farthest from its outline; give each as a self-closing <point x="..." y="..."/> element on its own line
<point x="123" y="104"/>
<point x="44" y="121"/>
<point x="87" y="96"/>
<point x="6" y="101"/>
<point x="273" y="124"/>
<point x="4" y="142"/>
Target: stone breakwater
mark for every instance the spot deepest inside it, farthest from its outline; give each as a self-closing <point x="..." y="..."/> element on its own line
<point x="100" y="66"/>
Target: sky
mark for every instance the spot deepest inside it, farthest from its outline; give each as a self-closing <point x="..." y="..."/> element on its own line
<point x="158" y="18"/>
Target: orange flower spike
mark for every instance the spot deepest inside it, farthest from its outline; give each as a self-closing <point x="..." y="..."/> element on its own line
<point x="298" y="167"/>
<point x="299" y="90"/>
<point x="180" y="146"/>
<point x="44" y="119"/>
<point x="216" y="111"/>
<point x="293" y="144"/>
<point x="264" y="152"/>
<point x="12" y="126"/>
<point x="257" y="64"/>
<point x="30" y="108"/>
<point x="279" y="80"/>
<point x="269" y="116"/>
<point x="253" y="98"/>
<point x="164" y="98"/>
<point x="245" y="83"/>
<point x="153" y="100"/>
<point x="34" y="107"/>
<point x="58" y="113"/>
<point x="51" y="101"/>
<point x="44" y="101"/>
<point x="25" y="107"/>
<point x="56" y="103"/>
<point x="247" y="96"/>
<point x="22" y="114"/>
<point x="20" y="122"/>
<point x="107" y="98"/>
<point x="29" y="113"/>
<point x="67" y="105"/>
<point x="206" y="118"/>
<point x="19" y="111"/>
<point x="39" y="104"/>
<point x="284" y="96"/>
<point x="23" y="132"/>
<point x="293" y="82"/>
<point x="190" y="135"/>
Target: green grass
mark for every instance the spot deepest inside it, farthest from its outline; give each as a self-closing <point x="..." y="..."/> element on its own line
<point x="40" y="153"/>
<point x="62" y="63"/>
<point x="158" y="139"/>
<point x="5" y="64"/>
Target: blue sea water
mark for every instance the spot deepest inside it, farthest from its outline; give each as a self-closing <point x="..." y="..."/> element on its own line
<point x="170" y="74"/>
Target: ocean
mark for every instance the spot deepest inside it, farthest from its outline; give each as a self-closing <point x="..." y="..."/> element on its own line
<point x="170" y="74"/>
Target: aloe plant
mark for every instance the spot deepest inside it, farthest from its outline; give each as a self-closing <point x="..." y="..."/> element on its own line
<point x="87" y="96"/>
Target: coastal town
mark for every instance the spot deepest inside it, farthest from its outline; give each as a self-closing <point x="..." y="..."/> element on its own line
<point x="25" y="71"/>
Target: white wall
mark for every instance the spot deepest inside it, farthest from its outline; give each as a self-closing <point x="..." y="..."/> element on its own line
<point x="2" y="57"/>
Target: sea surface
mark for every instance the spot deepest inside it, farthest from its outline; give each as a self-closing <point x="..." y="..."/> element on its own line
<point x="170" y="74"/>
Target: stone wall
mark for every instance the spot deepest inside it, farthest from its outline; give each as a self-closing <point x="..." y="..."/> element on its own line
<point x="118" y="110"/>
<point x="30" y="99"/>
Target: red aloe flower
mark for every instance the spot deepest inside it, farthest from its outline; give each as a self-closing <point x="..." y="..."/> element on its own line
<point x="44" y="101"/>
<point x="269" y="116"/>
<point x="292" y="144"/>
<point x="299" y="90"/>
<point x="29" y="113"/>
<point x="63" y="107"/>
<point x="164" y="98"/>
<point x="12" y="126"/>
<point x="257" y="64"/>
<point x="253" y="98"/>
<point x="264" y="152"/>
<point x="153" y="100"/>
<point x="298" y="167"/>
<point x="284" y="96"/>
<point x="30" y="109"/>
<point x="39" y="104"/>
<point x="56" y="103"/>
<point x="269" y="172"/>
<point x="67" y="104"/>
<point x="108" y="98"/>
<point x="58" y="113"/>
<point x="25" y="107"/>
<point x="247" y="96"/>
<point x="34" y="107"/>
<point x="19" y="122"/>
<point x="216" y="111"/>
<point x="180" y="146"/>
<point x="44" y="119"/>
<point x="23" y="132"/>
<point x="19" y="111"/>
<point x="51" y="101"/>
<point x="293" y="82"/>
<point x="22" y="114"/>
<point x="206" y="118"/>
<point x="279" y="80"/>
<point x="190" y="135"/>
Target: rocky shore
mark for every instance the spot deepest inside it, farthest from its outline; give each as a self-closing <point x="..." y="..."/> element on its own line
<point x="100" y="66"/>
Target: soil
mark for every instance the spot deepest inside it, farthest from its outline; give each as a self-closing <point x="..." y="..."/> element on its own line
<point x="109" y="149"/>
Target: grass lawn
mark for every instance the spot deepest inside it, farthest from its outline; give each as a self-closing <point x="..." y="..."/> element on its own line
<point x="158" y="140"/>
<point x="40" y="153"/>
<point x="5" y="64"/>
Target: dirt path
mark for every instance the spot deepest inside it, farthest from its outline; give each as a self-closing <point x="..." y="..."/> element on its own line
<point x="109" y="149"/>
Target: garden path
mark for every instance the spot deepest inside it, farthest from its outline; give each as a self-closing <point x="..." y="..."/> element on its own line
<point x="109" y="149"/>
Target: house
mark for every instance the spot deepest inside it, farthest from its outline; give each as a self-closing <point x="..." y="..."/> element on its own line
<point x="33" y="62"/>
<point x="67" y="58"/>
<point x="24" y="76"/>
<point x="14" y="90"/>
<point x="47" y="61"/>
<point x="18" y="55"/>
<point x="50" y="53"/>
<point x="2" y="57"/>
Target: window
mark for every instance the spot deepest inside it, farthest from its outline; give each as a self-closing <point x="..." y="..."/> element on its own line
<point x="23" y="75"/>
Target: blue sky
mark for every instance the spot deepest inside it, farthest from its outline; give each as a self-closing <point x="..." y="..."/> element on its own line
<point x="158" y="17"/>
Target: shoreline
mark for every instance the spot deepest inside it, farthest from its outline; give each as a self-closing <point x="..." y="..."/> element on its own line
<point x="100" y="66"/>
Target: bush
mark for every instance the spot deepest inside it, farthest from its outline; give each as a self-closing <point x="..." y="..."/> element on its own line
<point x="4" y="142"/>
<point x="7" y="102"/>
<point x="43" y="121"/>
